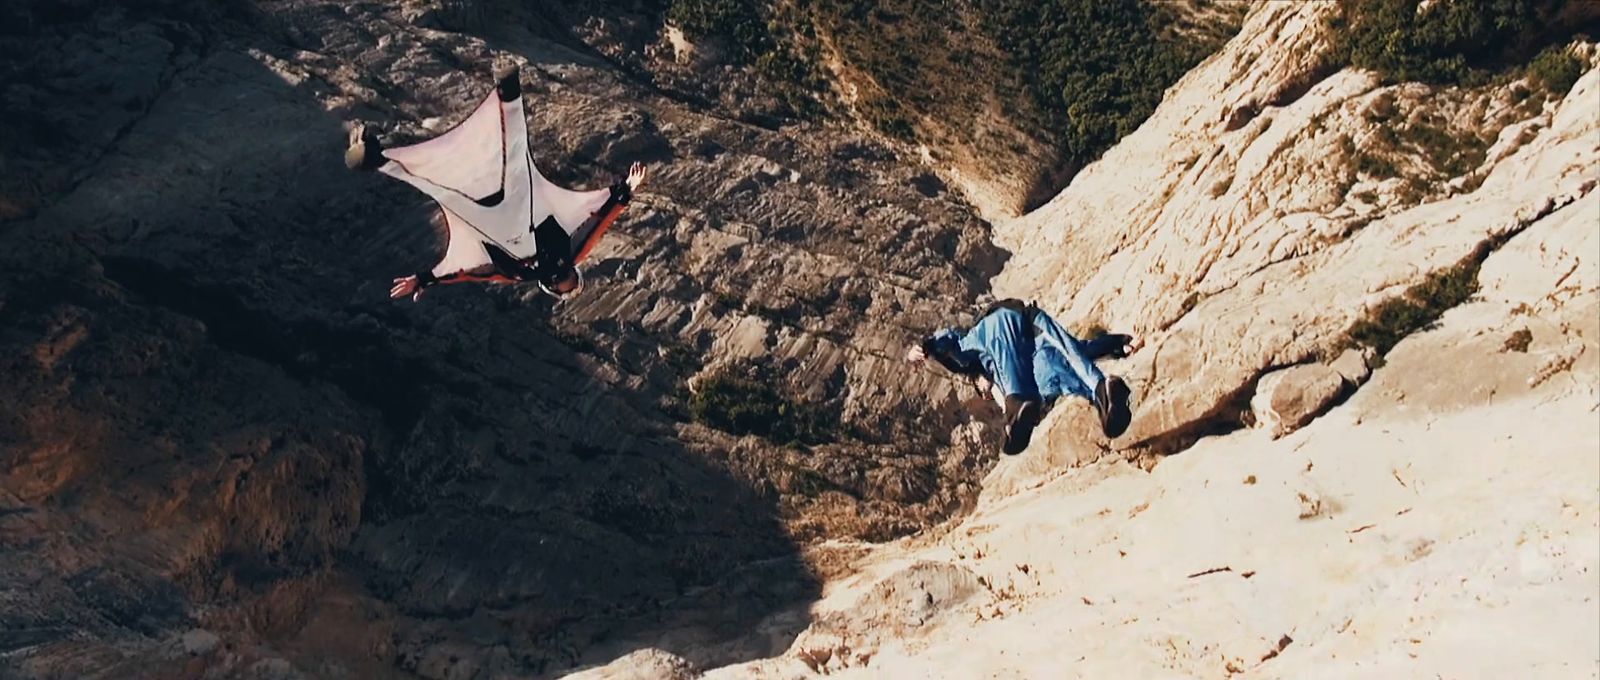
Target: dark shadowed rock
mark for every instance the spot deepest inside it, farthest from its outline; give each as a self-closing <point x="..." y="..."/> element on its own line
<point x="218" y="420"/>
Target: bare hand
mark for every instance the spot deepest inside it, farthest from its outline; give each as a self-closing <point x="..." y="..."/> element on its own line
<point x="635" y="176"/>
<point x="1133" y="345"/>
<point x="916" y="354"/>
<point x="406" y="285"/>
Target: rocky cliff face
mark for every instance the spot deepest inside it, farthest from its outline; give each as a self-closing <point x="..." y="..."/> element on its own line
<point x="1271" y="204"/>
<point x="227" y="453"/>
<point x="1304" y="247"/>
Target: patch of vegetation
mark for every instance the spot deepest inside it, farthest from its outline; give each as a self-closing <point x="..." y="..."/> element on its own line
<point x="1420" y="306"/>
<point x="756" y="39"/>
<point x="1556" y="69"/>
<point x="744" y="399"/>
<point x="1057" y="81"/>
<point x="738" y="23"/>
<point x="888" y="120"/>
<point x="679" y="355"/>
<point x="1101" y="67"/>
<point x="1445" y="153"/>
<point x="805" y="482"/>
<point x="922" y="62"/>
<point x="1455" y="42"/>
<point x="1519" y="341"/>
<point x="1452" y="154"/>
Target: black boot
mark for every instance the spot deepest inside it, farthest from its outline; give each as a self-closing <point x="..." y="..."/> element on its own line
<point x="1111" y="401"/>
<point x="1021" y="417"/>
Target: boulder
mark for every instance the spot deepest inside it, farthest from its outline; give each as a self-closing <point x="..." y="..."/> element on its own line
<point x="1354" y="365"/>
<point x="1288" y="399"/>
<point x="645" y="664"/>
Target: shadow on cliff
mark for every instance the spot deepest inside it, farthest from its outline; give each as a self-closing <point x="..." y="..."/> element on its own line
<point x="521" y="509"/>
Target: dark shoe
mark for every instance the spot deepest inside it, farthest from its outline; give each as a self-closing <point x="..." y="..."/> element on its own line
<point x="1111" y="400"/>
<point x="364" y="152"/>
<point x="1021" y="418"/>
<point x="508" y="82"/>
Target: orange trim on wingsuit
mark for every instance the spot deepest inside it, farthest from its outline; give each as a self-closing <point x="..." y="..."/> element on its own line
<point x="599" y="231"/>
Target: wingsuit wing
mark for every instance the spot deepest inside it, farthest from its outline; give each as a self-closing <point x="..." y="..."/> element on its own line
<point x="482" y="176"/>
<point x="570" y="208"/>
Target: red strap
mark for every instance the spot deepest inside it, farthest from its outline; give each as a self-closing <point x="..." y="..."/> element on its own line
<point x="599" y="231"/>
<point x="464" y="277"/>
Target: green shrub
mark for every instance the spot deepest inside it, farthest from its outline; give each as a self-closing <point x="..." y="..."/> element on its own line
<point x="1556" y="69"/>
<point x="1450" y="42"/>
<point x="1100" y="68"/>
<point x="757" y="39"/>
<point x="1420" y="306"/>
<point x="1452" y="154"/>
<point x="745" y="399"/>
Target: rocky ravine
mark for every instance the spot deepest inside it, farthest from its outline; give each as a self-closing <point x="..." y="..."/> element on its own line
<point x="1449" y="501"/>
<point x="225" y="453"/>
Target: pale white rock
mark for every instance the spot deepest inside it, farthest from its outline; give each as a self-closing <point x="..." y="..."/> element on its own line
<point x="645" y="664"/>
<point x="1232" y="231"/>
<point x="199" y="642"/>
<point x="1354" y="365"/>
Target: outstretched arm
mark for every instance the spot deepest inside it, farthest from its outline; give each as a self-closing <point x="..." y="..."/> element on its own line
<point x="944" y="347"/>
<point x="415" y="284"/>
<point x="621" y="193"/>
<point x="1114" y="345"/>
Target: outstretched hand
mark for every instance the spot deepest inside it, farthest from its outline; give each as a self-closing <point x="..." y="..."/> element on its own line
<point x="916" y="354"/>
<point x="406" y="285"/>
<point x="1134" y="343"/>
<point x="635" y="176"/>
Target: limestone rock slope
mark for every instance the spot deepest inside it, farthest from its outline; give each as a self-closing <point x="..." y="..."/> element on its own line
<point x="1358" y="545"/>
<point x="1266" y="207"/>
